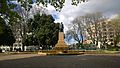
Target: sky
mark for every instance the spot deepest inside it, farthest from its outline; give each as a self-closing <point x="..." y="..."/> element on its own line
<point x="109" y="8"/>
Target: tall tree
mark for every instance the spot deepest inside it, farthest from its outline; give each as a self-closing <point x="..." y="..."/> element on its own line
<point x="7" y="13"/>
<point x="6" y="35"/>
<point x="90" y="24"/>
<point x="77" y="30"/>
<point x="115" y="23"/>
<point x="8" y="17"/>
<point x="45" y="30"/>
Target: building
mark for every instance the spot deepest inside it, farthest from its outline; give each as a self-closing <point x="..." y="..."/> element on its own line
<point x="103" y="35"/>
<point x="107" y="34"/>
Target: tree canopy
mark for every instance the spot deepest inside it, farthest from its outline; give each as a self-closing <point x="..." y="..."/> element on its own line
<point x="87" y="27"/>
<point x="58" y="4"/>
<point x="6" y="35"/>
<point x="44" y="29"/>
<point x="115" y="23"/>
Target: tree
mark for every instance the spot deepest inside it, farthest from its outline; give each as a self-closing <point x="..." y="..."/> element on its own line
<point x="92" y="23"/>
<point x="7" y="13"/>
<point x="6" y="35"/>
<point x="58" y="4"/>
<point x="115" y="23"/>
<point x="2" y="26"/>
<point x="45" y="30"/>
<point x="77" y="31"/>
<point x="8" y="17"/>
<point x="88" y="24"/>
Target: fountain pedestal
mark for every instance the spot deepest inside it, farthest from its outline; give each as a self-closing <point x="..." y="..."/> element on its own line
<point x="61" y="46"/>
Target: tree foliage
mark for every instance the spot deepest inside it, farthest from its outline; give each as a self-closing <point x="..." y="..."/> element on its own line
<point x="88" y="24"/>
<point x="6" y="35"/>
<point x="6" y="11"/>
<point x="77" y="30"/>
<point x="58" y="4"/>
<point x="92" y="24"/>
<point x="44" y="30"/>
<point x="7" y="18"/>
<point x="115" y="23"/>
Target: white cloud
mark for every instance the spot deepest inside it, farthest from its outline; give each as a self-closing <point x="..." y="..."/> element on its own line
<point x="50" y="8"/>
<point x="69" y="12"/>
<point x="113" y="16"/>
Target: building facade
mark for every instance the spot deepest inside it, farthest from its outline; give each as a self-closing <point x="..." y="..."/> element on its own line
<point x="103" y="34"/>
<point x="107" y="34"/>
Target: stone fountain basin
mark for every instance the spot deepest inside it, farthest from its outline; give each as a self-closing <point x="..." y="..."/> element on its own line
<point x="61" y="52"/>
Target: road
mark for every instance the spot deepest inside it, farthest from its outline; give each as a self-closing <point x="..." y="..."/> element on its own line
<point x="81" y="61"/>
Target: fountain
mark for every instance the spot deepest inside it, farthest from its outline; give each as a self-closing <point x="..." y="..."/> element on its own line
<point x="61" y="48"/>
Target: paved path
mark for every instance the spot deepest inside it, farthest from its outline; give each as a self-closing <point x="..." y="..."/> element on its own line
<point x="16" y="56"/>
<point x="81" y="61"/>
